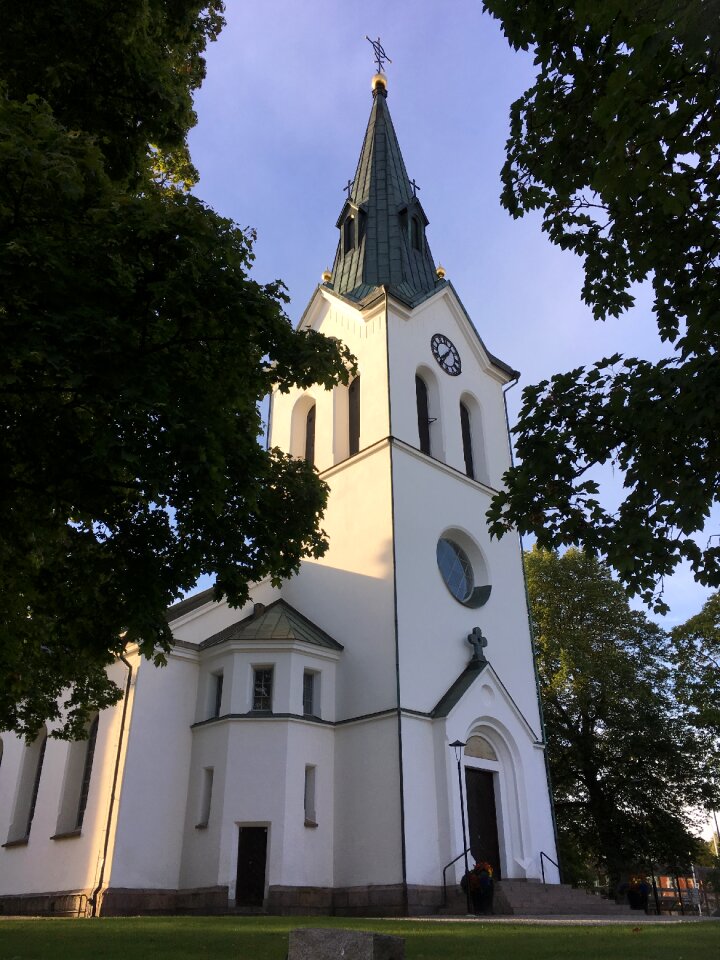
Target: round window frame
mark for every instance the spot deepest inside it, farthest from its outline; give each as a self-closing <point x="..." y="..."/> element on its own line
<point x="468" y="554"/>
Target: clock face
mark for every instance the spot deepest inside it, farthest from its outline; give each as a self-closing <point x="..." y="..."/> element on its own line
<point x="446" y="354"/>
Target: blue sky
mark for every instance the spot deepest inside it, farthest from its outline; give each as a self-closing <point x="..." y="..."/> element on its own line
<point x="281" y="117"/>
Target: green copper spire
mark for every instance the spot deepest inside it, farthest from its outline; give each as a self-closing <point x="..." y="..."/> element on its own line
<point x="382" y="224"/>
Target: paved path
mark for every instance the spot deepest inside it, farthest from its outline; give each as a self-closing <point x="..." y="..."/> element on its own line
<point x="587" y="921"/>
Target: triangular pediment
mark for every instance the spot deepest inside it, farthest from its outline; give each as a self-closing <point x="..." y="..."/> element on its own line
<point x="463" y="687"/>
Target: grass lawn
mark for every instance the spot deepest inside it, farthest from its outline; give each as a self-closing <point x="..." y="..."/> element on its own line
<point x="265" y="938"/>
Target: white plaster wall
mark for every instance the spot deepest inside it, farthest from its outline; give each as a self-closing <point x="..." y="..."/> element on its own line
<point x="200" y="863"/>
<point x="409" y="336"/>
<point x="365" y="335"/>
<point x="306" y="857"/>
<point x="151" y="814"/>
<point x="424" y="788"/>
<point x="433" y="626"/>
<point x="349" y="591"/>
<point x="46" y="865"/>
<point x="367" y="803"/>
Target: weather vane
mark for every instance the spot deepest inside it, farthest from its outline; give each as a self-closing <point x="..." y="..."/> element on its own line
<point x="380" y="55"/>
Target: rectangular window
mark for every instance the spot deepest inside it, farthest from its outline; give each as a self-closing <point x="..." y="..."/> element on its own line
<point x="217" y="692"/>
<point x="206" y="797"/>
<point x="309" y="709"/>
<point x="262" y="688"/>
<point x="310" y="815"/>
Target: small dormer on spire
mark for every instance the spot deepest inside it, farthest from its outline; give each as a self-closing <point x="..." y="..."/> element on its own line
<point x="382" y="223"/>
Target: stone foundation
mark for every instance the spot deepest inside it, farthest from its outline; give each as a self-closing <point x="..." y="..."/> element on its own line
<point x="380" y="900"/>
<point x="377" y="900"/>
<point x="120" y="902"/>
<point x="63" y="903"/>
<point x="117" y="902"/>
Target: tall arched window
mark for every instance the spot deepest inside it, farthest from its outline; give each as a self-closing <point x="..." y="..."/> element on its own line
<point x="310" y="435"/>
<point x="354" y="417"/>
<point x="30" y="774"/>
<point x="423" y="413"/>
<point x="467" y="440"/>
<point x="76" y="781"/>
<point x="473" y="441"/>
<point x="87" y="772"/>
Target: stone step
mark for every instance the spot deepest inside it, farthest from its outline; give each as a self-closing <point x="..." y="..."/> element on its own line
<point x="533" y="898"/>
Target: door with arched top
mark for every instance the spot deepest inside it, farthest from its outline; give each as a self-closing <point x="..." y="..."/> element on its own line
<point x="482" y="817"/>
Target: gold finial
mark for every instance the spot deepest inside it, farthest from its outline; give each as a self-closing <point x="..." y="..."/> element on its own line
<point x="440" y="272"/>
<point x="326" y="275"/>
<point x="379" y="80"/>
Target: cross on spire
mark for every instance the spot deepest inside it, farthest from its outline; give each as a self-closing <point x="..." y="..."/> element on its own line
<point x="348" y="187"/>
<point x="378" y="53"/>
<point x="414" y="186"/>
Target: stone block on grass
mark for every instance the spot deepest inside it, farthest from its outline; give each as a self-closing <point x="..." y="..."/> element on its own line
<point x="324" y="944"/>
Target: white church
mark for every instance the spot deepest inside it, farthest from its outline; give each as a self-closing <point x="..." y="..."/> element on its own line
<point x="295" y="755"/>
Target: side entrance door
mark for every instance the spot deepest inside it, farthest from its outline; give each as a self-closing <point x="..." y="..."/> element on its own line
<point x="252" y="858"/>
<point x="482" y="817"/>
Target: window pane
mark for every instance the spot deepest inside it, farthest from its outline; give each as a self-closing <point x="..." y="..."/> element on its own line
<point x="36" y="783"/>
<point x="421" y="396"/>
<point x="218" y="692"/>
<point x="262" y="689"/>
<point x="308" y="694"/>
<point x="354" y="416"/>
<point x="310" y="435"/>
<point x="456" y="569"/>
<point x="466" y="440"/>
<point x="87" y="773"/>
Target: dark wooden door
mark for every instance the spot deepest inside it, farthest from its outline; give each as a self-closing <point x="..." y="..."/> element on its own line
<point x="252" y="856"/>
<point x="482" y="818"/>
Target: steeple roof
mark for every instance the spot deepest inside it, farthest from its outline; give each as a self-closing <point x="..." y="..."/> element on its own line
<point x="382" y="223"/>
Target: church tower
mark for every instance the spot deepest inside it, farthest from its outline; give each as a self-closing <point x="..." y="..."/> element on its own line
<point x="431" y="613"/>
<point x="297" y="755"/>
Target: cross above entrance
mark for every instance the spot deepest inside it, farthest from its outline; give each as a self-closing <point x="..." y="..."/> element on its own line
<point x="477" y="641"/>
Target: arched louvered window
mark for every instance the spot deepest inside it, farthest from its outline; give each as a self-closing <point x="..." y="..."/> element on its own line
<point x="354" y="417"/>
<point x="467" y="440"/>
<point x="87" y="772"/>
<point x="416" y="234"/>
<point x="310" y="435"/>
<point x="348" y="234"/>
<point x="421" y="395"/>
<point x="361" y="224"/>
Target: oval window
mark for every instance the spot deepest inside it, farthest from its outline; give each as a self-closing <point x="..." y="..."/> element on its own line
<point x="456" y="569"/>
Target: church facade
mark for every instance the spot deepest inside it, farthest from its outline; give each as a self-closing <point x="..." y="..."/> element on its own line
<point x="296" y="755"/>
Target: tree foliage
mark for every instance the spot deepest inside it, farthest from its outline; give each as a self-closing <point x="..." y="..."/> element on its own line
<point x="697" y="659"/>
<point x="626" y="763"/>
<point x="618" y="144"/>
<point x="136" y="349"/>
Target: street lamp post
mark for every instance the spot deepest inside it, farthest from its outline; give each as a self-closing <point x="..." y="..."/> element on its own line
<point x="457" y="746"/>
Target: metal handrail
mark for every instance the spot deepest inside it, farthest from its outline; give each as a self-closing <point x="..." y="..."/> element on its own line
<point x="542" y="865"/>
<point x="445" y="870"/>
